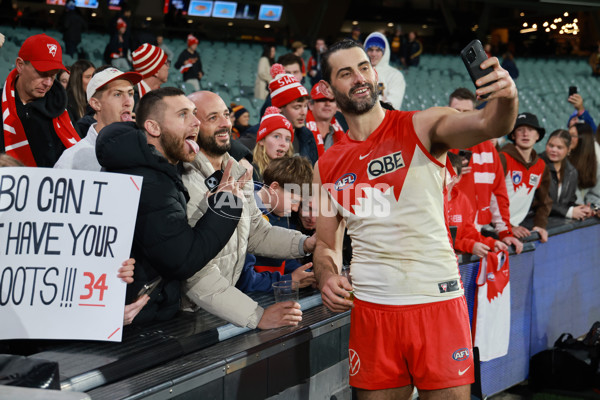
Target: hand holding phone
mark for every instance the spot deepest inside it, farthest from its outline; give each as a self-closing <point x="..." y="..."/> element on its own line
<point x="572" y="90"/>
<point x="473" y="55"/>
<point x="149" y="287"/>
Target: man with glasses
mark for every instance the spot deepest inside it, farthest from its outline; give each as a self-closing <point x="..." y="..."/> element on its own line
<point x="36" y="127"/>
<point x="152" y="63"/>
<point x="321" y="121"/>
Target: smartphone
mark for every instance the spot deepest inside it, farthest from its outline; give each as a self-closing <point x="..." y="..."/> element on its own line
<point x="572" y="90"/>
<point x="473" y="55"/>
<point x="149" y="287"/>
<point x="466" y="154"/>
<point x="213" y="181"/>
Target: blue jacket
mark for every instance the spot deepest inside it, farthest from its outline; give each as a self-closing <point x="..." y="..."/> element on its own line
<point x="252" y="281"/>
<point x="585" y="116"/>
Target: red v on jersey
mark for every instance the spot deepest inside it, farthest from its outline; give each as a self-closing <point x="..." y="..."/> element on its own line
<point x="382" y="161"/>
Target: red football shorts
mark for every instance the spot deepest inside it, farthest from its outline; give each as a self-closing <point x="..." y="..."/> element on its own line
<point x="426" y="345"/>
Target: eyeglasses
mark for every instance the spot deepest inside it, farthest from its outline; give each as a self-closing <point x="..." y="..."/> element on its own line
<point x="168" y="63"/>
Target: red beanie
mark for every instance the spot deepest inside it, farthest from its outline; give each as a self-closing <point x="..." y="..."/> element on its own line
<point x="191" y="40"/>
<point x="273" y="120"/>
<point x="121" y="23"/>
<point x="284" y="88"/>
<point x="148" y="59"/>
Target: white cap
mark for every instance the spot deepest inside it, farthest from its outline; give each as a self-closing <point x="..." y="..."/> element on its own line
<point x="108" y="75"/>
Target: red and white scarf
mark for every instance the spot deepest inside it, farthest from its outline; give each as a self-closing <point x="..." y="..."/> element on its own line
<point x="16" y="144"/>
<point x="311" y="124"/>
<point x="143" y="88"/>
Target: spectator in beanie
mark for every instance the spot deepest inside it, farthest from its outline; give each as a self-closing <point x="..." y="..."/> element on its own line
<point x="189" y="64"/>
<point x="118" y="47"/>
<point x="241" y="120"/>
<point x="292" y="64"/>
<point x="391" y="80"/>
<point x="292" y="99"/>
<point x="274" y="140"/>
<point x="152" y="63"/>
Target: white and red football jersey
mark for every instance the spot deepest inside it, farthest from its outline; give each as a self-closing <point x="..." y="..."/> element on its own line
<point x="389" y="190"/>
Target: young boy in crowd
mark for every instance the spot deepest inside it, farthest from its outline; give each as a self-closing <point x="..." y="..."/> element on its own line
<point x="527" y="178"/>
<point x="277" y="198"/>
<point x="462" y="215"/>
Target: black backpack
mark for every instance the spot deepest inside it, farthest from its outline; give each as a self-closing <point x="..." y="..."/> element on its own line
<point x="571" y="364"/>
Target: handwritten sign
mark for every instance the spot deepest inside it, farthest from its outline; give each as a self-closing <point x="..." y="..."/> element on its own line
<point x="63" y="236"/>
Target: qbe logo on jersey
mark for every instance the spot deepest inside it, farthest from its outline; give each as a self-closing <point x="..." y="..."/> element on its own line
<point x="385" y="165"/>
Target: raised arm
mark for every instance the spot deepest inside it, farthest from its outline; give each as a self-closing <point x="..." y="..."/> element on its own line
<point x="443" y="128"/>
<point x="327" y="257"/>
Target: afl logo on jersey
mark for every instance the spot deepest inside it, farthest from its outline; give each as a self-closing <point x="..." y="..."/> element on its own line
<point x="461" y="354"/>
<point x="345" y="181"/>
<point x="385" y="165"/>
<point x="491" y="276"/>
<point x="517" y="177"/>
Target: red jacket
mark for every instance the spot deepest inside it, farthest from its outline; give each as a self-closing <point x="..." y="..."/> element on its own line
<point x="484" y="185"/>
<point x="461" y="215"/>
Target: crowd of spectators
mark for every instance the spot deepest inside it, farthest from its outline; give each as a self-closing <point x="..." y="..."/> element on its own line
<point x="118" y="118"/>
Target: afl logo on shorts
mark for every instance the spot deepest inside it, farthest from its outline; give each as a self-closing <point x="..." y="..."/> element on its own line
<point x="354" y="362"/>
<point x="491" y="276"/>
<point x="461" y="354"/>
<point x="385" y="165"/>
<point x="517" y="177"/>
<point x="345" y="181"/>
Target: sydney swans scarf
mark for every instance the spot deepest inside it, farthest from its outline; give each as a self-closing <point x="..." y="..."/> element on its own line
<point x="15" y="140"/>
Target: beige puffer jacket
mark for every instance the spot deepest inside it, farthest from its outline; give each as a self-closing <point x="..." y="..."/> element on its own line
<point x="213" y="287"/>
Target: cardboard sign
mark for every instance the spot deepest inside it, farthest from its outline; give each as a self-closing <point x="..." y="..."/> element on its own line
<point x="63" y="236"/>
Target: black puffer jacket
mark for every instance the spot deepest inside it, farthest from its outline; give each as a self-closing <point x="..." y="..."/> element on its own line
<point x="163" y="243"/>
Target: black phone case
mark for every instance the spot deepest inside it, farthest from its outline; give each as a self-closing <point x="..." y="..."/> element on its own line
<point x="213" y="181"/>
<point x="572" y="90"/>
<point x="473" y="66"/>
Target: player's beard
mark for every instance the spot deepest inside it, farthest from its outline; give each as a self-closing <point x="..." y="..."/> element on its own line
<point x="209" y="144"/>
<point x="348" y="106"/>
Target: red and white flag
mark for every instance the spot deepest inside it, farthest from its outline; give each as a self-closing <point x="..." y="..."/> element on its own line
<point x="491" y="316"/>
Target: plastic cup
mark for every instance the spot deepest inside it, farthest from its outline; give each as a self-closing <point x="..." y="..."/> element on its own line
<point x="286" y="291"/>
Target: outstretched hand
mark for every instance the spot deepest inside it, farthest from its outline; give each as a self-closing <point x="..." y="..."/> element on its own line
<point x="305" y="278"/>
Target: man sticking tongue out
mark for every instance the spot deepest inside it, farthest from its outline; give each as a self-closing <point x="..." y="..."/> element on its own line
<point x="110" y="94"/>
<point x="193" y="145"/>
